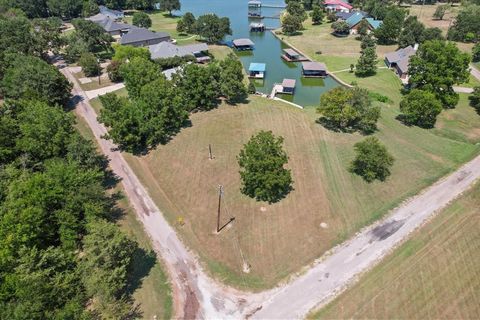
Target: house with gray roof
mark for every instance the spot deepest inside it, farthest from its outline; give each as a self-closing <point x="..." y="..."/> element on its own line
<point x="400" y="60"/>
<point x="111" y="26"/>
<point x="140" y="37"/>
<point x="112" y="14"/>
<point x="167" y="49"/>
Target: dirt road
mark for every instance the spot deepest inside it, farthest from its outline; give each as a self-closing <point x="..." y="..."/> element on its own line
<point x="198" y="296"/>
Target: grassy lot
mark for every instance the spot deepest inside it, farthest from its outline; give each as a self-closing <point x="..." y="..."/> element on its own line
<point x="276" y="240"/>
<point x="153" y="293"/>
<point x="461" y="123"/>
<point x="161" y="21"/>
<point x="434" y="275"/>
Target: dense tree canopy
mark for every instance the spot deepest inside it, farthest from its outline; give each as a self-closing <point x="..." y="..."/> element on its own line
<point x="475" y="99"/>
<point x="420" y="108"/>
<point x="466" y="26"/>
<point x="187" y="23"/>
<point x="212" y="28"/>
<point x="437" y="67"/>
<point x="137" y="73"/>
<point x="32" y="78"/>
<point x="367" y="63"/>
<point x="372" y="160"/>
<point x="170" y="5"/>
<point x="348" y="109"/>
<point x="262" y="162"/>
<point x="390" y="29"/>
<point x="231" y="79"/>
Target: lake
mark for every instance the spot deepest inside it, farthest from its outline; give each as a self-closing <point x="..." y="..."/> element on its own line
<point x="268" y="49"/>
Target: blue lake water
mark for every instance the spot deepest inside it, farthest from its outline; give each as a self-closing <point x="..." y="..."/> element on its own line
<point x="268" y="49"/>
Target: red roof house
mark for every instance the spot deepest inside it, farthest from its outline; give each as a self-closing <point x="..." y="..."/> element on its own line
<point x="337" y="6"/>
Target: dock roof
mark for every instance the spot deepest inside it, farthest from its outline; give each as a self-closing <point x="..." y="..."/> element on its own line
<point x="257" y="67"/>
<point x="291" y="52"/>
<point x="288" y="83"/>
<point x="243" y="42"/>
<point x="314" y="66"/>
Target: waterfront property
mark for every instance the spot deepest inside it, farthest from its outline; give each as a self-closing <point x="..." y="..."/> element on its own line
<point x="354" y="21"/>
<point x="399" y="60"/>
<point x="112" y="27"/>
<point x="167" y="49"/>
<point x="254" y="4"/>
<point x="140" y="37"/>
<point x="288" y="86"/>
<point x="257" y="27"/>
<point x="243" y="44"/>
<point x="337" y="6"/>
<point x="291" y="55"/>
<point x="314" y="69"/>
<point x="257" y="70"/>
<point x="112" y="14"/>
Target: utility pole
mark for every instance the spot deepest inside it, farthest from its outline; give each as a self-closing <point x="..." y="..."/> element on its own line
<point x="220" y="194"/>
<point x="210" y="155"/>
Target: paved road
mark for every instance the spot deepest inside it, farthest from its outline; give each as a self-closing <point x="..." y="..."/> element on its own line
<point x="198" y="296"/>
<point x="98" y="92"/>
<point x="474" y="71"/>
<point x="462" y="89"/>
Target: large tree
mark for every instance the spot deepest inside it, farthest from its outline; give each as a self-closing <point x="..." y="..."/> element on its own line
<point x="263" y="174"/>
<point x="475" y="99"/>
<point x="437" y="67"/>
<point x="142" y="20"/>
<point x="420" y="108"/>
<point x="231" y="79"/>
<point x="372" y="160"/>
<point x="348" y="110"/>
<point x="200" y="86"/>
<point x="170" y="5"/>
<point x="66" y="9"/>
<point x="317" y="15"/>
<point x="187" y="23"/>
<point x="391" y="27"/>
<point x="137" y="73"/>
<point x="466" y="26"/>
<point x="212" y="28"/>
<point x="412" y="32"/>
<point x="32" y="78"/>
<point x="367" y="63"/>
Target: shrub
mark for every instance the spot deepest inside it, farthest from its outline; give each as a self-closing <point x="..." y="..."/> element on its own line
<point x="89" y="64"/>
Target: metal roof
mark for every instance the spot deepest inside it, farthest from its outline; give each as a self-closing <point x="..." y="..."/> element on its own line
<point x="257" y="67"/>
<point x="243" y="42"/>
<point x="355" y="18"/>
<point x="288" y="83"/>
<point x="141" y="34"/>
<point x="314" y="66"/>
<point x="167" y="49"/>
<point x="291" y="52"/>
<point x="374" y="23"/>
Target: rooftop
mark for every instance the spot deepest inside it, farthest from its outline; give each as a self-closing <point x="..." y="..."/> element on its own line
<point x="243" y="42"/>
<point x="291" y="52"/>
<point x="355" y="18"/>
<point x="400" y="54"/>
<point x="141" y="34"/>
<point x="167" y="49"/>
<point x="288" y="83"/>
<point x="257" y="67"/>
<point x="339" y="3"/>
<point x="314" y="66"/>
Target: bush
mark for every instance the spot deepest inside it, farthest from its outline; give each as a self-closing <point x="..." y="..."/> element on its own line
<point x="173" y="62"/>
<point x="142" y="20"/>
<point x="475" y="99"/>
<point x="372" y="161"/>
<point x="476" y="52"/>
<point x="89" y="64"/>
<point x="379" y="97"/>
<point x="113" y="71"/>
<point x="420" y="108"/>
<point x="251" y="88"/>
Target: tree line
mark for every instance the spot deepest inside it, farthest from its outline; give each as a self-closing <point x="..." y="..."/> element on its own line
<point x="157" y="108"/>
<point x="69" y="9"/>
<point x="61" y="254"/>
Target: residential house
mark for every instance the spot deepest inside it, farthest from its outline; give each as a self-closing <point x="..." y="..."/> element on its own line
<point x="140" y="37"/>
<point x="112" y="14"/>
<point x="337" y="6"/>
<point x="167" y="49"/>
<point x="359" y="16"/>
<point x="400" y="60"/>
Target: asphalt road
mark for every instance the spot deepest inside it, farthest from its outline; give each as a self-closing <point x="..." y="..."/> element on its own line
<point x="198" y="296"/>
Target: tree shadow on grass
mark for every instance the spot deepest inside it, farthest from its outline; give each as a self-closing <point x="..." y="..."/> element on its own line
<point x="142" y="263"/>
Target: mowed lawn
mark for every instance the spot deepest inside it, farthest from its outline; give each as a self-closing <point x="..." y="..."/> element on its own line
<point x="278" y="239"/>
<point x="434" y="275"/>
<point x="150" y="284"/>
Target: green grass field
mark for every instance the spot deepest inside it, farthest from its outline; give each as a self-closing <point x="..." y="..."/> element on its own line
<point x="434" y="275"/>
<point x="276" y="240"/>
<point x="153" y="294"/>
<point x="161" y="21"/>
